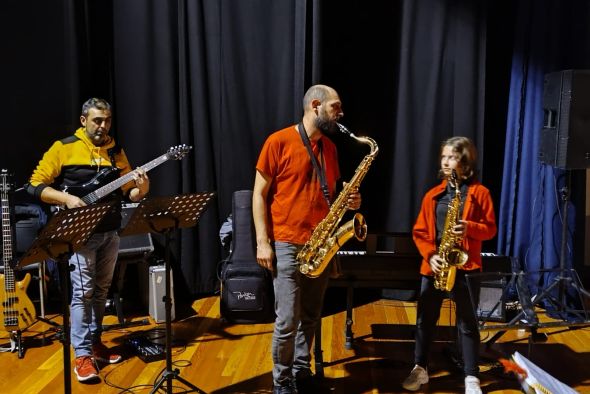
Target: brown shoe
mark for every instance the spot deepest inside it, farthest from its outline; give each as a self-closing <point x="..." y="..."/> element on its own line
<point x="85" y="369"/>
<point x="104" y="354"/>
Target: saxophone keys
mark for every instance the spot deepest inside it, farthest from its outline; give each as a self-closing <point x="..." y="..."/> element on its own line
<point x="304" y="268"/>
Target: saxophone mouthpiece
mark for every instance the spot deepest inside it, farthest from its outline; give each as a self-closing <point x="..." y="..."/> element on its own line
<point x="343" y="129"/>
<point x="454" y="180"/>
<point x="364" y="140"/>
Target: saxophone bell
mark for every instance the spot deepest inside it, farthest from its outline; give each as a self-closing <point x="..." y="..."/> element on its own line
<point x="355" y="227"/>
<point x="457" y="257"/>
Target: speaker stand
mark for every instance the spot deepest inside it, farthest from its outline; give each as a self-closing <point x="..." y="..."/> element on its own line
<point x="566" y="279"/>
<point x="564" y="282"/>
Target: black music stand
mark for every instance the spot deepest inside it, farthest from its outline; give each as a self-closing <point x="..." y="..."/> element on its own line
<point x="163" y="215"/>
<point x="66" y="232"/>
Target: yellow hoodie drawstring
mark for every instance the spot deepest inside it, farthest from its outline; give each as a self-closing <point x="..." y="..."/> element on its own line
<point x="97" y="148"/>
<point x="93" y="159"/>
<point x="92" y="148"/>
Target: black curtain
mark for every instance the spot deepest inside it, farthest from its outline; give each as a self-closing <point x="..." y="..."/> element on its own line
<point x="440" y="94"/>
<point x="217" y="75"/>
<point x="221" y="75"/>
<point x="412" y="73"/>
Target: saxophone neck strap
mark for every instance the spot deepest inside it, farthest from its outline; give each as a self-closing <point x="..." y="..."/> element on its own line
<point x="320" y="170"/>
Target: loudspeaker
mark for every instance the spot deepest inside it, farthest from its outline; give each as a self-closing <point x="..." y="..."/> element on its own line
<point x="157" y="275"/>
<point x="565" y="137"/>
<point x="131" y="245"/>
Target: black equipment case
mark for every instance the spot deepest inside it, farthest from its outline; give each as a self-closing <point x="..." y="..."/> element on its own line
<point x="246" y="288"/>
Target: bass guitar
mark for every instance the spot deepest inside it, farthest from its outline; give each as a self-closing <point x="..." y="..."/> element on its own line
<point x="17" y="310"/>
<point x="90" y="192"/>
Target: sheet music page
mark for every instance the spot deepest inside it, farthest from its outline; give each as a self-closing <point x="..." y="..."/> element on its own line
<point x="538" y="381"/>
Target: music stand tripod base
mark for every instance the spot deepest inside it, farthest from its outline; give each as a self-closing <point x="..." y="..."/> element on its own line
<point x="65" y="233"/>
<point x="163" y="215"/>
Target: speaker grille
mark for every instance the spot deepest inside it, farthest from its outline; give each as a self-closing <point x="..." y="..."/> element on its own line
<point x="491" y="304"/>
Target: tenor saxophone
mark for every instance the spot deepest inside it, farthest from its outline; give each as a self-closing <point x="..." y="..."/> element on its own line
<point x="449" y="251"/>
<point x="327" y="238"/>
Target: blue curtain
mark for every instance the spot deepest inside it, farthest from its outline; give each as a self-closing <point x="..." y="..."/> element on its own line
<point x="531" y="210"/>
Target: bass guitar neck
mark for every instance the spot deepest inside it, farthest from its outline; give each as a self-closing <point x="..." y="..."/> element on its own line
<point x="17" y="310"/>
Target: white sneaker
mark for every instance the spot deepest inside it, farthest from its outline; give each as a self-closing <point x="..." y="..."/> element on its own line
<point x="415" y="379"/>
<point x="472" y="385"/>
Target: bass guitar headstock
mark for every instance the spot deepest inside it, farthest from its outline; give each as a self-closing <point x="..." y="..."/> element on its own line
<point x="178" y="152"/>
<point x="6" y="181"/>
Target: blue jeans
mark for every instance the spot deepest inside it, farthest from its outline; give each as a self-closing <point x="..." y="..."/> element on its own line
<point x="91" y="277"/>
<point x="429" y="304"/>
<point x="298" y="308"/>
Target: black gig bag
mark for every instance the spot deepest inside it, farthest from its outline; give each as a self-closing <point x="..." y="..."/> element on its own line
<point x="246" y="288"/>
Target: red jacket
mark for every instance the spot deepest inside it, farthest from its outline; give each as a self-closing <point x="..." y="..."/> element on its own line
<point x="478" y="211"/>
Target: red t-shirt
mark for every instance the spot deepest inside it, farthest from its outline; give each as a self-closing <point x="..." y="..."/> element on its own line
<point x="295" y="198"/>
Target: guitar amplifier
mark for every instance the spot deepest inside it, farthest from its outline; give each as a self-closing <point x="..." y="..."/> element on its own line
<point x="134" y="245"/>
<point x="492" y="287"/>
<point x="492" y="300"/>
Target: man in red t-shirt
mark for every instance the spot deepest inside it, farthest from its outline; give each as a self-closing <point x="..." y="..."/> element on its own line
<point x="288" y="203"/>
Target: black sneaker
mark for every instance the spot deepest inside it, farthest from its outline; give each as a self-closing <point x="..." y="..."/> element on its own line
<point x="307" y="384"/>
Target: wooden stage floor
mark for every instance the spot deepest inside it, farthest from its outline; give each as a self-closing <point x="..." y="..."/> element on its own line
<point x="221" y="358"/>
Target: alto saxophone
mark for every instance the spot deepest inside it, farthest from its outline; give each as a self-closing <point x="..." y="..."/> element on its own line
<point x="450" y="252"/>
<point x="326" y="239"/>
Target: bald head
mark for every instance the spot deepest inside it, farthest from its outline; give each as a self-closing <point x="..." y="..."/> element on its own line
<point x="321" y="110"/>
<point x="322" y="93"/>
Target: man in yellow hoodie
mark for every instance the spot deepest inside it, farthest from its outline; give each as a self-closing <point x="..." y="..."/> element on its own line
<point x="60" y="178"/>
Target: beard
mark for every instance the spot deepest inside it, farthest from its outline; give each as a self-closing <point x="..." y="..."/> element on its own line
<point x="98" y="137"/>
<point x="325" y="124"/>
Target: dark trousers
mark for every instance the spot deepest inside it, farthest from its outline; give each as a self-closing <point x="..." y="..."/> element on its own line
<point x="429" y="303"/>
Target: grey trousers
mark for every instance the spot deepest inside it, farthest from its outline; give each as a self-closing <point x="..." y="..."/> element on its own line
<point x="91" y="278"/>
<point x="298" y="307"/>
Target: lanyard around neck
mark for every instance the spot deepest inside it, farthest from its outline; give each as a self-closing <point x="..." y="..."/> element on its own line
<point x="319" y="169"/>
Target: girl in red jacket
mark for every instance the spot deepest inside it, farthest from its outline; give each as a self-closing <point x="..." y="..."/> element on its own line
<point x="476" y="224"/>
